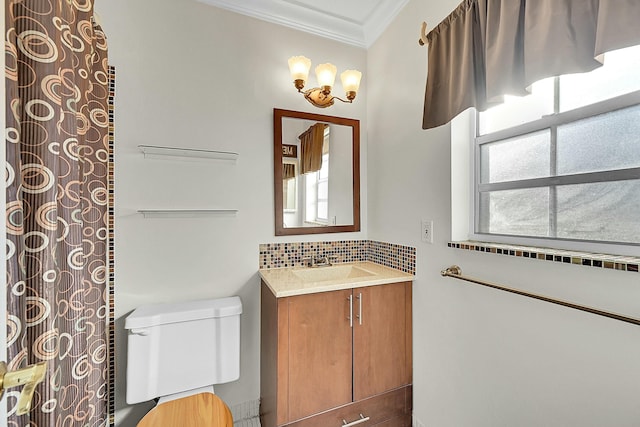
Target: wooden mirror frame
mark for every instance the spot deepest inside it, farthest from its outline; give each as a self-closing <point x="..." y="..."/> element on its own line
<point x="281" y="230"/>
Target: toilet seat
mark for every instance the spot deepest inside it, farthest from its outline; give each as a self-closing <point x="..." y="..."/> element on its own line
<point x="203" y="409"/>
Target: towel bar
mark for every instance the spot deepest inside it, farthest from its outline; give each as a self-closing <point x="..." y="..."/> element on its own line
<point x="456" y="272"/>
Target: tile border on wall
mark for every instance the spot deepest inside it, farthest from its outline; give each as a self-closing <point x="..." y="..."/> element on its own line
<point x="392" y="255"/>
<point x="111" y="251"/>
<point x="281" y="255"/>
<point x="612" y="262"/>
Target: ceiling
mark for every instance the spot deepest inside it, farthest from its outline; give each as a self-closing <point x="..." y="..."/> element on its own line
<point x="355" y="22"/>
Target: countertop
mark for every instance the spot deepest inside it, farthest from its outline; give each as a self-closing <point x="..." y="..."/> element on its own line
<point x="285" y="282"/>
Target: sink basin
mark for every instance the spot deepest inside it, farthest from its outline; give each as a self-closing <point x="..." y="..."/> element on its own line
<point x="335" y="272"/>
<point x="291" y="281"/>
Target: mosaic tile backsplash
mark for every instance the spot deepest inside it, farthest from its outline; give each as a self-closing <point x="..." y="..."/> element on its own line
<point x="624" y="263"/>
<point x="279" y="255"/>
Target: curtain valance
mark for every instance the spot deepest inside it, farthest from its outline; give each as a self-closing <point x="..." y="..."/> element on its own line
<point x="486" y="49"/>
<point x="288" y="171"/>
<point x="311" y="142"/>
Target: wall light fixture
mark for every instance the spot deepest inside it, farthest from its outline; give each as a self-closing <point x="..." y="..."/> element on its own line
<point x="326" y="75"/>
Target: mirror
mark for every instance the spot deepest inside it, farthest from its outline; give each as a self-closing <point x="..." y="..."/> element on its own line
<point x="316" y="173"/>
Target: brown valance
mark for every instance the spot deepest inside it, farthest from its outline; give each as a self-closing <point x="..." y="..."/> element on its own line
<point x="486" y="49"/>
<point x="311" y="142"/>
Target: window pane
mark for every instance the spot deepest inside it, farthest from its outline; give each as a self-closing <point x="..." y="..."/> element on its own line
<point x="619" y="75"/>
<point x="323" y="210"/>
<point x="515" y="212"/>
<point x="517" y="110"/>
<point x="323" y="190"/>
<point x="605" y="211"/>
<point x="324" y="171"/>
<point x="310" y="196"/>
<point x="604" y="142"/>
<point x="523" y="157"/>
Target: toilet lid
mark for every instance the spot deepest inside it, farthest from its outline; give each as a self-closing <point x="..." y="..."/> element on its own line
<point x="203" y="409"/>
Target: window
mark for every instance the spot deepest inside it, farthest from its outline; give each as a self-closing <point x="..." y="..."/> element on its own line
<point x="317" y="189"/>
<point x="564" y="162"/>
<point x="322" y="214"/>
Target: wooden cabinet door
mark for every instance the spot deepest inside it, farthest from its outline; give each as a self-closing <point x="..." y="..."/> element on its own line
<point x="381" y="339"/>
<point x="320" y="353"/>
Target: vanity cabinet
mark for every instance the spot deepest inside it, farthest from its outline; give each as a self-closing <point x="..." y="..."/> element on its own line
<point x="337" y="357"/>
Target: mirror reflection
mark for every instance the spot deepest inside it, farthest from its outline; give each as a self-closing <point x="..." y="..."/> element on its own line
<point x="316" y="173"/>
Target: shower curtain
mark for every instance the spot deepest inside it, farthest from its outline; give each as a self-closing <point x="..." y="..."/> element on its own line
<point x="57" y="145"/>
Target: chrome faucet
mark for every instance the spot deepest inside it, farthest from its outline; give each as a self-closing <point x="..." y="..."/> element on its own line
<point x="319" y="261"/>
<point x="322" y="261"/>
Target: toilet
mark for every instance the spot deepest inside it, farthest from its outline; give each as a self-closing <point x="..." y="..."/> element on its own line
<point x="177" y="352"/>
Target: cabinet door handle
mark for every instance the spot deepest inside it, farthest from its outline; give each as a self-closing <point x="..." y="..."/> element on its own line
<point x="362" y="419"/>
<point x="360" y="308"/>
<point x="350" y="299"/>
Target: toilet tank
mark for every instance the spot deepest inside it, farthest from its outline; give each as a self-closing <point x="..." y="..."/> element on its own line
<point x="182" y="346"/>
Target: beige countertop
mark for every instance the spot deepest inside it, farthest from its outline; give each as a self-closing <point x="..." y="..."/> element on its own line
<point x="285" y="282"/>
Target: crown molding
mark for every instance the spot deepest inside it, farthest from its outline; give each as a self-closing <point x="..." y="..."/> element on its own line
<point x="380" y="19"/>
<point x="314" y="21"/>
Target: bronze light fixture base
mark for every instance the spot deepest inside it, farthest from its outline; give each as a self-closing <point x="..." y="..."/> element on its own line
<point x="321" y="98"/>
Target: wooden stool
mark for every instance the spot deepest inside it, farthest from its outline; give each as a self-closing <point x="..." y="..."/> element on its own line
<point x="202" y="410"/>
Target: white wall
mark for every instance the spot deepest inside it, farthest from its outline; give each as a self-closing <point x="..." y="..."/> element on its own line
<point x="191" y="75"/>
<point x="483" y="358"/>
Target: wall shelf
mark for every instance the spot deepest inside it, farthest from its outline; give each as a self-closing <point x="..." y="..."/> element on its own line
<point x="153" y="152"/>
<point x="187" y="213"/>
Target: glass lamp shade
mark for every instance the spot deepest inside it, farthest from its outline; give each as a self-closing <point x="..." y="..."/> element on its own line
<point x="326" y="74"/>
<point x="351" y="80"/>
<point x="299" y="67"/>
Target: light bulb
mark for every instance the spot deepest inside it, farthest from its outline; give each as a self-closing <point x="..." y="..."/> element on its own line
<point x="326" y="75"/>
<point x="299" y="67"/>
<point x="351" y="80"/>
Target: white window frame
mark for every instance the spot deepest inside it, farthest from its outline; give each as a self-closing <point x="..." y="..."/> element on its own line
<point x="319" y="180"/>
<point x="313" y="180"/>
<point x="550" y="121"/>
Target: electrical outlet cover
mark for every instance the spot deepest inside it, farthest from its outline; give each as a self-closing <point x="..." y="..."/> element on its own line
<point x="427" y="231"/>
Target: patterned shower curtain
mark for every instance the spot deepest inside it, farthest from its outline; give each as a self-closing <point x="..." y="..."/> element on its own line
<point x="57" y="198"/>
